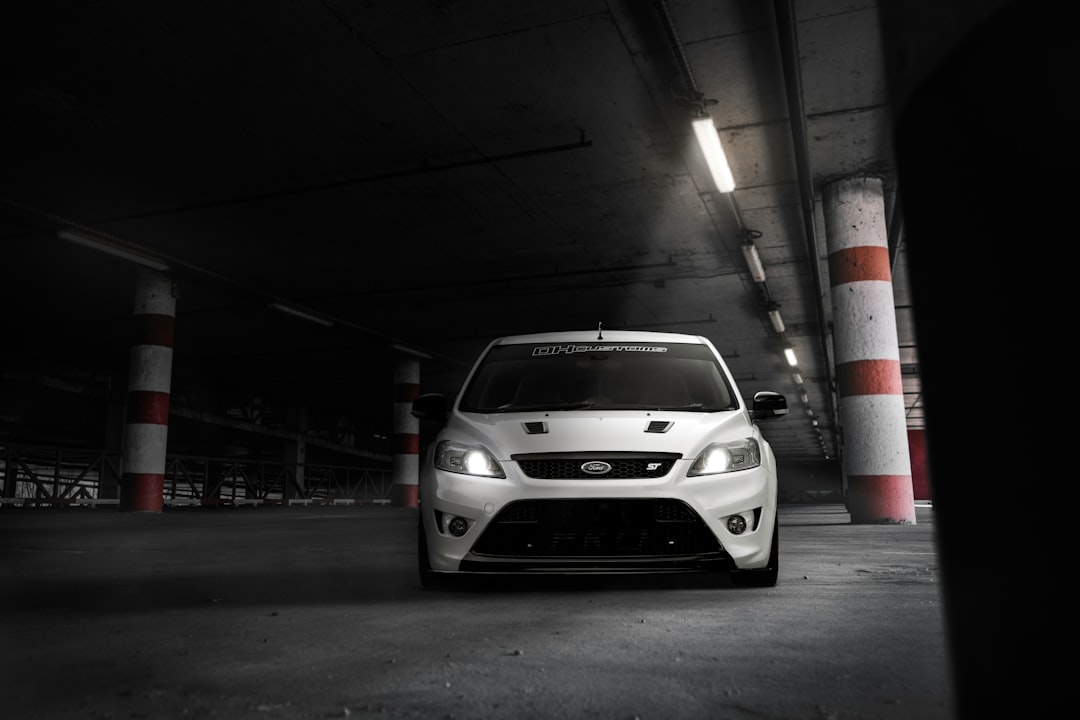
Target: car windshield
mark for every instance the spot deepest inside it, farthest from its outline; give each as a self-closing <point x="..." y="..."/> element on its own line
<point x="612" y="376"/>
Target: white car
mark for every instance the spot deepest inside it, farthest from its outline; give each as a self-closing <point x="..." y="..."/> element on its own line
<point x="594" y="452"/>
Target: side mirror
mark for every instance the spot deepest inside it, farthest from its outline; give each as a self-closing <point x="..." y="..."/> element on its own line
<point x="768" y="405"/>
<point x="431" y="406"/>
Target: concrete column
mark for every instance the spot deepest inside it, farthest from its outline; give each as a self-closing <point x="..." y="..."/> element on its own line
<point x="406" y="443"/>
<point x="876" y="461"/>
<point x="149" y="383"/>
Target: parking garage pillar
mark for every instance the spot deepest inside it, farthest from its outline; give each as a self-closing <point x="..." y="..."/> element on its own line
<point x="146" y="423"/>
<point x="876" y="461"/>
<point x="406" y="443"/>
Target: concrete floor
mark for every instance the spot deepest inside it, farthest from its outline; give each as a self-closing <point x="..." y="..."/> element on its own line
<point x="317" y="613"/>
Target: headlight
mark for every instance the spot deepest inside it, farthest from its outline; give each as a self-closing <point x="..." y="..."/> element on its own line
<point x="467" y="460"/>
<point x="727" y="457"/>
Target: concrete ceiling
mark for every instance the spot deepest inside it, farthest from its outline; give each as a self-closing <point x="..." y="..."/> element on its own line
<point x="428" y="175"/>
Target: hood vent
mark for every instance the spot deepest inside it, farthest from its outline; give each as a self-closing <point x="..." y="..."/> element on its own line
<point x="659" y="426"/>
<point x="537" y="427"/>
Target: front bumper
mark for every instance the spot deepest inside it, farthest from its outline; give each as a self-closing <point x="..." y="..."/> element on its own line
<point x="652" y="524"/>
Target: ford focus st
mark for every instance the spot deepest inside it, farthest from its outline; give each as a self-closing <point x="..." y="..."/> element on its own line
<point x="590" y="452"/>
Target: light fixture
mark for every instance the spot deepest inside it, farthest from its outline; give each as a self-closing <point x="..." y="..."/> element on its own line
<point x="303" y="315"/>
<point x="457" y="526"/>
<point x="116" y="250"/>
<point x="410" y="351"/>
<point x="736" y="524"/>
<point x="757" y="270"/>
<point x="789" y="353"/>
<point x="797" y="377"/>
<point x="714" y="153"/>
<point x="775" y="319"/>
<point x="804" y="397"/>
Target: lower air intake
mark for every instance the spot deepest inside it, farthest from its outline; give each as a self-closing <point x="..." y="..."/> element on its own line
<point x="591" y="528"/>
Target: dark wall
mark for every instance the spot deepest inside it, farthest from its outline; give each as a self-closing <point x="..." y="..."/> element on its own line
<point x="920" y="469"/>
<point x="805" y="482"/>
<point x="985" y="159"/>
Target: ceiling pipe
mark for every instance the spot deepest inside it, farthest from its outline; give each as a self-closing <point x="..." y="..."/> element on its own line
<point x="693" y="94"/>
<point x="789" y="56"/>
<point x="896" y="228"/>
<point x="423" y="169"/>
<point x="209" y="277"/>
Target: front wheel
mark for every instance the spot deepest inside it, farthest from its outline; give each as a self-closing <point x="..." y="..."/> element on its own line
<point x="766" y="576"/>
<point x="429" y="579"/>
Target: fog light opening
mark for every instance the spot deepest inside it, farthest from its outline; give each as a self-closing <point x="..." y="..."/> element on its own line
<point x="736" y="524"/>
<point x="457" y="526"/>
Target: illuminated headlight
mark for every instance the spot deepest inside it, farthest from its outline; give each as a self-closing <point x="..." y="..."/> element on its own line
<point x="467" y="460"/>
<point x="727" y="457"/>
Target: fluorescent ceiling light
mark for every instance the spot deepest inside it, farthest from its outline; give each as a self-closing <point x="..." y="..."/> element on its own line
<point x="776" y="320"/>
<point x="789" y="353"/>
<point x="410" y="351"/>
<point x="303" y="315"/>
<point x="757" y="270"/>
<point x="112" y="248"/>
<point x="714" y="154"/>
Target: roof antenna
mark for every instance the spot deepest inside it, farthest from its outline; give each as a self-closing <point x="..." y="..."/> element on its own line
<point x="600" y="331"/>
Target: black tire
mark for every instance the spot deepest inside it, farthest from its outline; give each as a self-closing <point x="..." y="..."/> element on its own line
<point x="429" y="579"/>
<point x="767" y="576"/>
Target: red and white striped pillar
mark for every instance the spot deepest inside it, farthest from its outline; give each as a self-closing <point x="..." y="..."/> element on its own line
<point x="877" y="464"/>
<point x="146" y="425"/>
<point x="406" y="442"/>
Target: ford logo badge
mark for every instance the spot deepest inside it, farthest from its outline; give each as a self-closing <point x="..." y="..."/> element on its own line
<point x="596" y="467"/>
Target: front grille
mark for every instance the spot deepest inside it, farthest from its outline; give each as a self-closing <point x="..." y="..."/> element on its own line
<point x="597" y="528"/>
<point x="624" y="466"/>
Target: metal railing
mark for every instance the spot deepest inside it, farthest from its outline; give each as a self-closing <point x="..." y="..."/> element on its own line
<point x="58" y="476"/>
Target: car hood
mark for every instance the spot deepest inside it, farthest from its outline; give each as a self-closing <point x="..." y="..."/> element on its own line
<point x="685" y="433"/>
